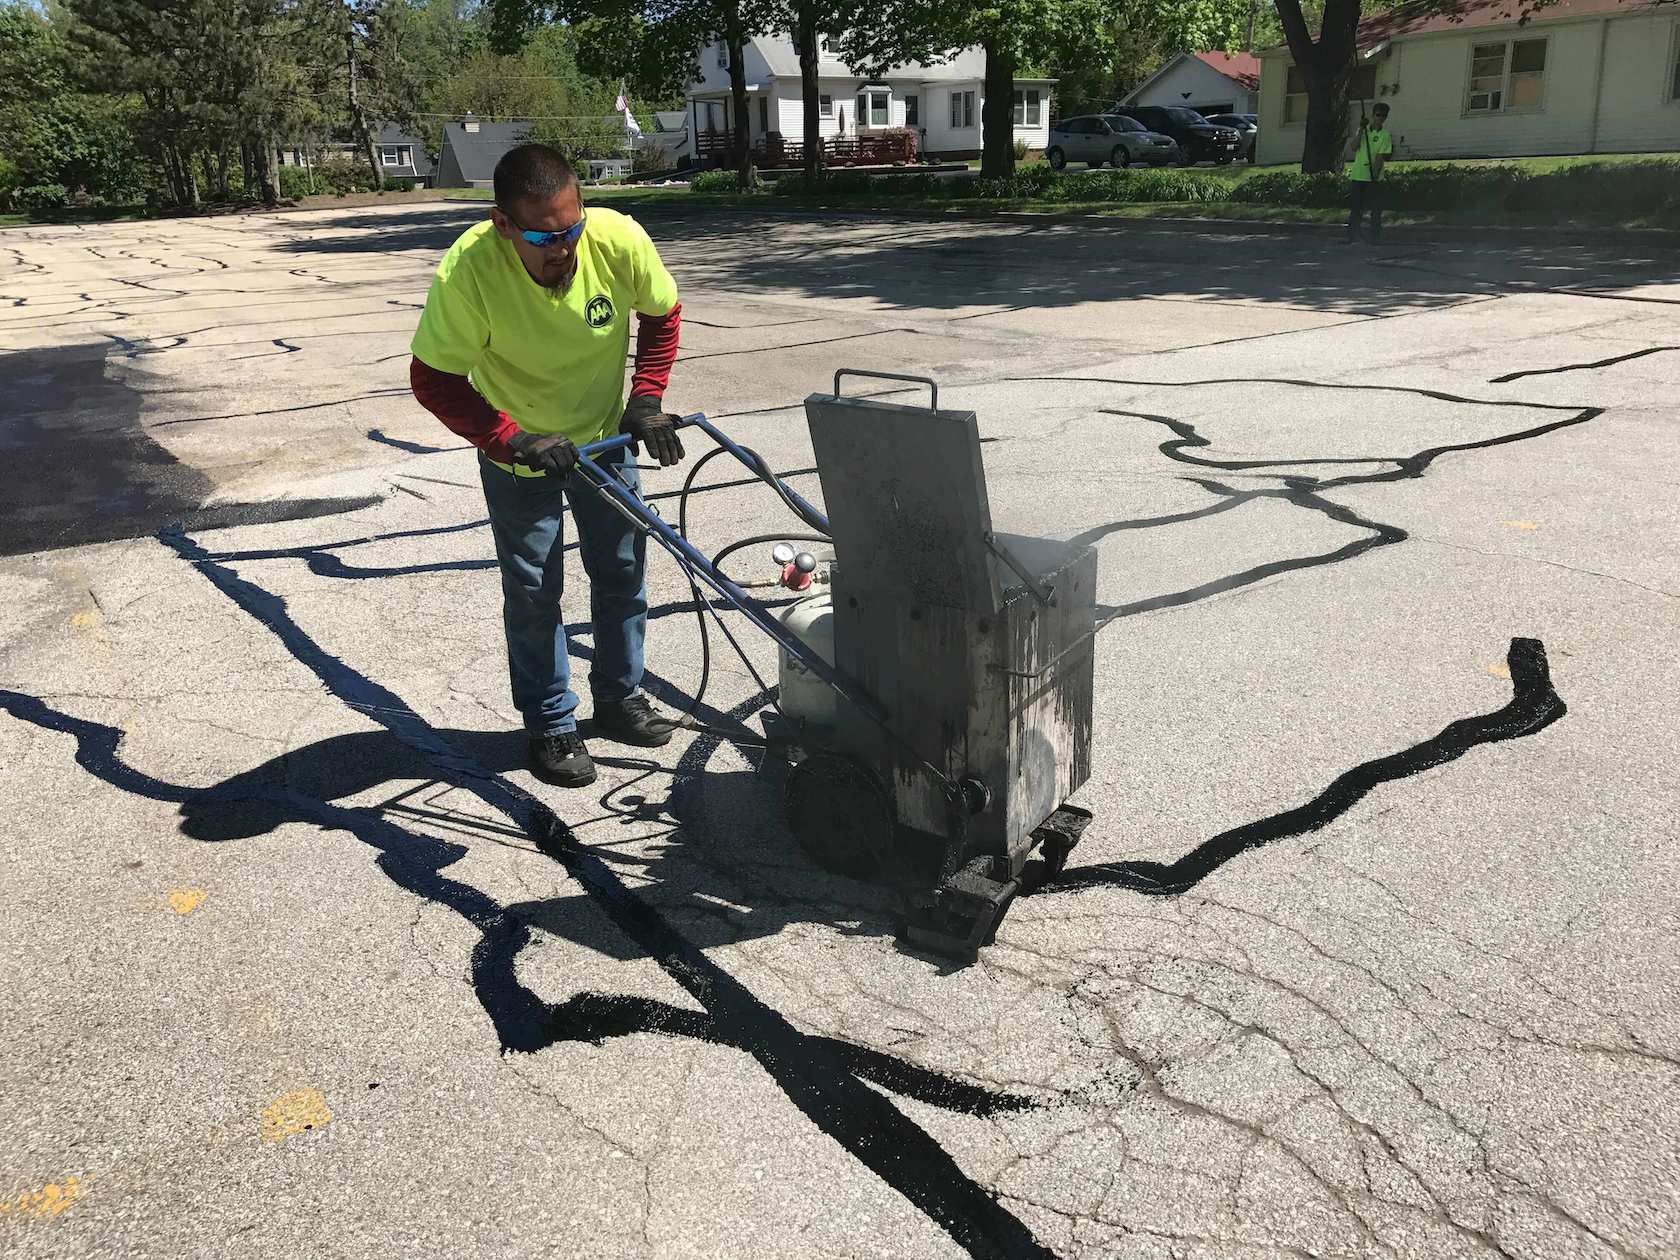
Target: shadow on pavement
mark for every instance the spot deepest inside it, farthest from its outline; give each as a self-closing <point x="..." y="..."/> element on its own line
<point x="910" y="262"/>
<point x="80" y="468"/>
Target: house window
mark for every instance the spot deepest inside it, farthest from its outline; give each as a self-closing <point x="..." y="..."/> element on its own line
<point x="1362" y="86"/>
<point x="1506" y="76"/>
<point x="394" y="155"/>
<point x="1295" y="96"/>
<point x="1027" y="107"/>
<point x="723" y="56"/>
<point x="825" y="105"/>
<point x="962" y="109"/>
<point x="912" y="111"/>
<point x="874" y="108"/>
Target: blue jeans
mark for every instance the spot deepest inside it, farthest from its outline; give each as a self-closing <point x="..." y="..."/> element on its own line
<point x="526" y="515"/>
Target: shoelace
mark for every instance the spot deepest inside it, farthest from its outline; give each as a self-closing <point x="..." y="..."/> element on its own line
<point x="637" y="709"/>
<point x="567" y="744"/>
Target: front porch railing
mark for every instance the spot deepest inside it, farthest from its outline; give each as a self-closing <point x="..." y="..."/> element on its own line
<point x="888" y="148"/>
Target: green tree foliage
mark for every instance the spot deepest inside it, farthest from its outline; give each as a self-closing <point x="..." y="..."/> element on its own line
<point x="1013" y="33"/>
<point x="1133" y="40"/>
<point x="656" y="44"/>
<point x="52" y="135"/>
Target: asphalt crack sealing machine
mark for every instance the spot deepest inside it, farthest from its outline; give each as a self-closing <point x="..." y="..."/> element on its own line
<point x="935" y="698"/>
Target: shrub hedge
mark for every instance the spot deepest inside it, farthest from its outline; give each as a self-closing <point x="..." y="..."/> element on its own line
<point x="1650" y="188"/>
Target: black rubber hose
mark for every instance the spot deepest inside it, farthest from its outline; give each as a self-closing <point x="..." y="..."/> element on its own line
<point x="702" y="604"/>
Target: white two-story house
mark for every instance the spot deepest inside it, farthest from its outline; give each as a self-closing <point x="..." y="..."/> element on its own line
<point x="941" y="103"/>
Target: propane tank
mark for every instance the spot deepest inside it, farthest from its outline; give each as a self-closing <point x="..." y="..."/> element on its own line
<point x="805" y="697"/>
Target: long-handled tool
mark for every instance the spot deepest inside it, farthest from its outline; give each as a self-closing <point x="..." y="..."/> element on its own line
<point x="961" y="659"/>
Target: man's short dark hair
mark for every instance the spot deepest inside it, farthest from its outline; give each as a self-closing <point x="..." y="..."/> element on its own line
<point x="532" y="172"/>
<point x="1381" y="107"/>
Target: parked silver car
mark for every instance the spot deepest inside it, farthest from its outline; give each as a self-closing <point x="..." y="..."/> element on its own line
<point x="1098" y="138"/>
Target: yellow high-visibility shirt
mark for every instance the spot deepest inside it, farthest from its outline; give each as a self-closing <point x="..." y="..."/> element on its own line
<point x="553" y="360"/>
<point x="1372" y="144"/>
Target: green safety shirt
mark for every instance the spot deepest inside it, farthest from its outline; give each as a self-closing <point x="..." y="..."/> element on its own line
<point x="551" y="359"/>
<point x="1372" y="144"/>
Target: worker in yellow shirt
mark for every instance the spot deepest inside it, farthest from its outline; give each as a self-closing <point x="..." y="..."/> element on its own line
<point x="521" y="351"/>
<point x="1372" y="148"/>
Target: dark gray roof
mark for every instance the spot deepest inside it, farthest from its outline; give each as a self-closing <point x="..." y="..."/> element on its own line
<point x="390" y="133"/>
<point x="478" y="152"/>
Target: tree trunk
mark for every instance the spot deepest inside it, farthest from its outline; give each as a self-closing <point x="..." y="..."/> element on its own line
<point x="1325" y="65"/>
<point x="997" y="114"/>
<point x="738" y="96"/>
<point x="811" y="147"/>
<point x="267" y="162"/>
<point x="248" y="166"/>
<point x="358" y="120"/>
<point x="1326" y="123"/>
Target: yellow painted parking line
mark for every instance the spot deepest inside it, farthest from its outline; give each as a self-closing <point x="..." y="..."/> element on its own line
<point x="293" y="1113"/>
<point x="1521" y="524"/>
<point x="1499" y="669"/>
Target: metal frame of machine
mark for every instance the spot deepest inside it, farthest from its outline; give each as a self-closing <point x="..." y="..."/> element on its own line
<point x="990" y="635"/>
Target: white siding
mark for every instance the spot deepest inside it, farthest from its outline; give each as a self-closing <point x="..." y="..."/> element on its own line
<point x="715" y="78"/>
<point x="936" y="118"/>
<point x="1277" y="143"/>
<point x="1428" y="77"/>
<point x="1424" y="81"/>
<point x="1205" y="85"/>
<point x="1636" y="112"/>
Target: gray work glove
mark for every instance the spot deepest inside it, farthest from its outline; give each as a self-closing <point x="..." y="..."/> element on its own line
<point x="550" y="453"/>
<point x="648" y="423"/>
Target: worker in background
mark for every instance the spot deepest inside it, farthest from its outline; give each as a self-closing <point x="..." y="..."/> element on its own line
<point x="521" y="351"/>
<point x="1372" y="148"/>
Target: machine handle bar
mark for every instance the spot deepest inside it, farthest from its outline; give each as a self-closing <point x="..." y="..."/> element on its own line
<point x="933" y="388"/>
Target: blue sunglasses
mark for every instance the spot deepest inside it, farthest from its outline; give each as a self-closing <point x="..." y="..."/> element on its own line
<point x="543" y="240"/>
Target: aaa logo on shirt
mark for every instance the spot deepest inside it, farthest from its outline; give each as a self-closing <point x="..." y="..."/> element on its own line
<point x="599" y="312"/>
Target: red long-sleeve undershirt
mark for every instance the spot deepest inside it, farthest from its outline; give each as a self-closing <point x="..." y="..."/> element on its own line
<point x="463" y="411"/>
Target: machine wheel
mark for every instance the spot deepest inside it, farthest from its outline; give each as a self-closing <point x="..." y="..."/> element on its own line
<point x="841" y="815"/>
<point x="1056" y="158"/>
<point x="1120" y="159"/>
<point x="1224" y="161"/>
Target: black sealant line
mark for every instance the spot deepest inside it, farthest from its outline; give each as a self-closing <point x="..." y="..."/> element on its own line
<point x="1534" y="705"/>
<point x="1416" y="391"/>
<point x="1579" y="367"/>
<point x="1299" y="491"/>
<point x="413" y="448"/>
<point x="809" y="1070"/>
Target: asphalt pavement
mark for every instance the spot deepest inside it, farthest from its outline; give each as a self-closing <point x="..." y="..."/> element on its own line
<point x="1369" y="951"/>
